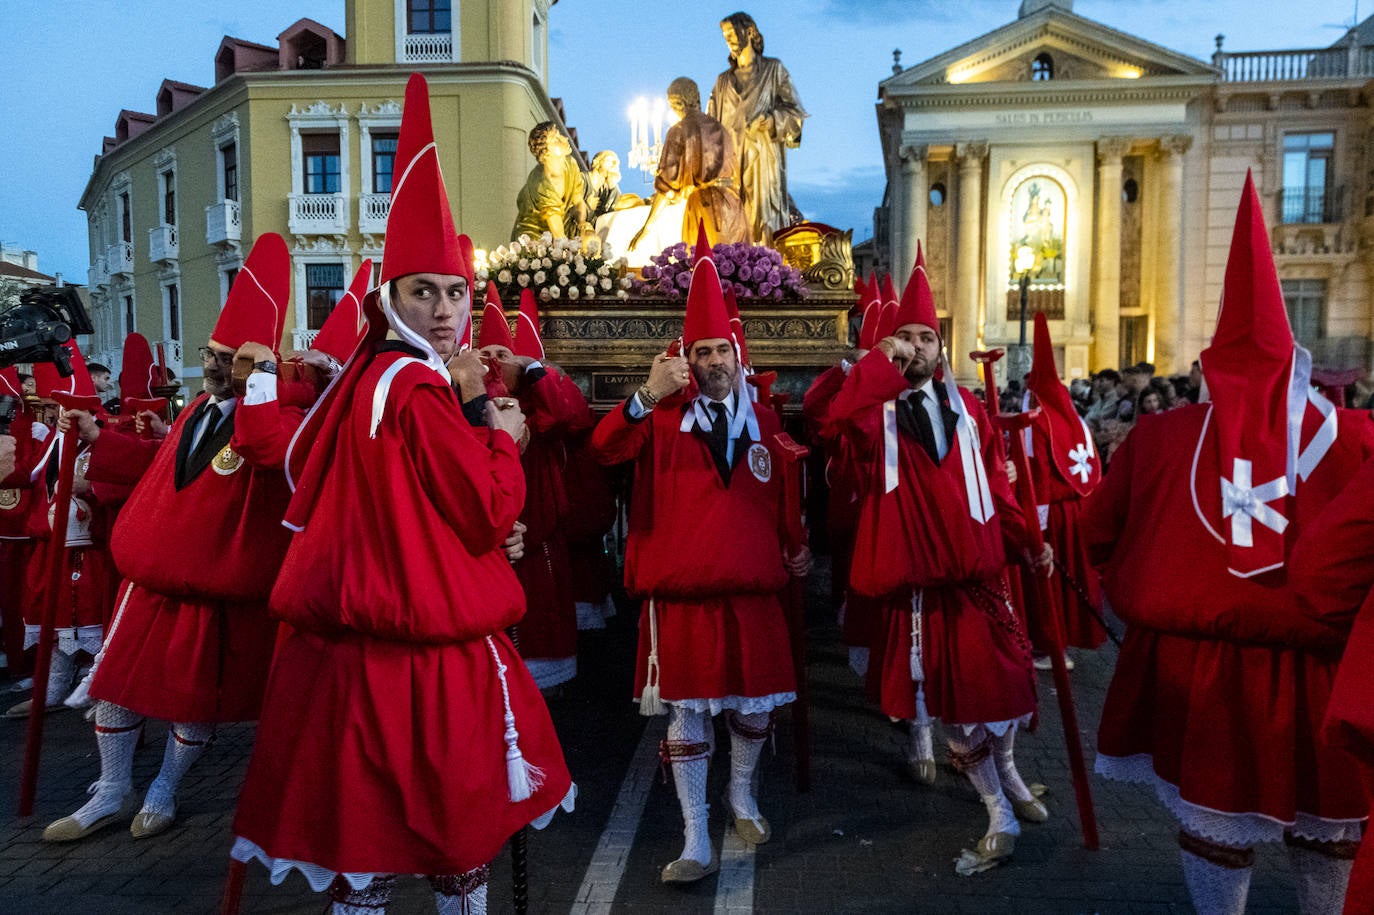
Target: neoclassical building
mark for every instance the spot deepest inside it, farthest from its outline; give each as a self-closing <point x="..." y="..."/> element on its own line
<point x="298" y="138"/>
<point x="1112" y="167"/>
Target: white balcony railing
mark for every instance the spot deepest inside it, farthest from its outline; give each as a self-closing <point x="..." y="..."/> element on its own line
<point x="372" y="211"/>
<point x="222" y="223"/>
<point x="120" y="259"/>
<point x="172" y="350"/>
<point x="429" y="49"/>
<point x="96" y="275"/>
<point x="318" y="214"/>
<point x="162" y="243"/>
<point x="303" y="338"/>
<point x="1293" y="65"/>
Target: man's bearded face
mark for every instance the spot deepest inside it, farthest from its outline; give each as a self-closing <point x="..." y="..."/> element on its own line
<point x="714" y="366"/>
<point x="927" y="345"/>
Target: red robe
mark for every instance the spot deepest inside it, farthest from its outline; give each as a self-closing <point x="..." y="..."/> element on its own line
<point x="707" y="556"/>
<point x="191" y="639"/>
<point x="16" y="546"/>
<point x="591" y="514"/>
<point x="1332" y="571"/>
<point x="1222" y="682"/>
<point x="554" y="408"/>
<point x="381" y="745"/>
<point x="919" y="543"/>
<point x="1078" y="583"/>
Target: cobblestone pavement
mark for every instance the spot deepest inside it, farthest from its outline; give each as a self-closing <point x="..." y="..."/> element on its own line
<point x="864" y="839"/>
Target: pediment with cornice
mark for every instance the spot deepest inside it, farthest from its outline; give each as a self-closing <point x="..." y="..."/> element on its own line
<point x="1081" y="49"/>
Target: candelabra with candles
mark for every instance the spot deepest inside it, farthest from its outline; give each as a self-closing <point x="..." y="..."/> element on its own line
<point x="648" y="121"/>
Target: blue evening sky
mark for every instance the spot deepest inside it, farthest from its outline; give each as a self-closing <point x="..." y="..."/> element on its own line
<point x="63" y="79"/>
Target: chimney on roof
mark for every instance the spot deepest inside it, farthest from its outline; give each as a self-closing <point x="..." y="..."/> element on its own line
<point x="57" y="278"/>
<point x="1029" y="7"/>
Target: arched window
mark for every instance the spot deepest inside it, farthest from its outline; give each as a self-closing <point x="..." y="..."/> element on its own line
<point x="937" y="194"/>
<point x="1042" y="68"/>
<point x="1130" y="191"/>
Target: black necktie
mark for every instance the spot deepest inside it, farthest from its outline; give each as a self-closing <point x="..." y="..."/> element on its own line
<point x="925" y="432"/>
<point x="212" y="420"/>
<point x="720" y="440"/>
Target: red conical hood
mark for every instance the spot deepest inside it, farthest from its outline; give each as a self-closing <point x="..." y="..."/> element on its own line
<point x="1071" y="445"/>
<point x="346" y="325"/>
<point x="255" y="311"/>
<point x="75" y="392"/>
<point x="706" y="317"/>
<point x="1258" y="381"/>
<point x="528" y="342"/>
<point x="871" y="310"/>
<point x="495" y="331"/>
<point x="420" y="236"/>
<point x="703" y="246"/>
<point x="918" y="302"/>
<point x="736" y="326"/>
<point x="138" y="373"/>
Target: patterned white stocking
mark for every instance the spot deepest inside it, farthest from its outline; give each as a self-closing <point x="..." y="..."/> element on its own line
<point x="1004" y="753"/>
<point x="687" y="751"/>
<point x="372" y="899"/>
<point x="1214" y="888"/>
<point x="462" y="894"/>
<point x="116" y="736"/>
<point x="747" y="736"/>
<point x="972" y="755"/>
<point x="1321" y="879"/>
<point x="61" y="676"/>
<point x="185" y="744"/>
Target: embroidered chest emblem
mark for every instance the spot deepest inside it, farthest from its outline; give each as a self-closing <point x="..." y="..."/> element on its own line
<point x="227" y="461"/>
<point x="9" y="499"/>
<point x="760" y="463"/>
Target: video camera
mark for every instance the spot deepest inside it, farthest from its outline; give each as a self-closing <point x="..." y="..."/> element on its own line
<point x="35" y="329"/>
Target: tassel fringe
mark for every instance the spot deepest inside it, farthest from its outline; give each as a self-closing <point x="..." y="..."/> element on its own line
<point x="523" y="777"/>
<point x="650" y="702"/>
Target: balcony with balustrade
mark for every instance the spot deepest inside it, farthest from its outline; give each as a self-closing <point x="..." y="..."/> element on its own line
<point x="222" y="226"/>
<point x="372" y="213"/>
<point x="302" y="338"/>
<point x="97" y="277"/>
<point x="1344" y="62"/>
<point x="119" y="259"/>
<point x="427" y="48"/>
<point x="172" y="352"/>
<point x="162" y="244"/>
<point x="318" y="214"/>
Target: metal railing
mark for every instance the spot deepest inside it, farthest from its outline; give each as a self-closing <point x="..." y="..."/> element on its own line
<point x="222" y="224"/>
<point x="302" y="338"/>
<point x="1316" y="204"/>
<point x="425" y="48"/>
<point x="162" y="243"/>
<point x="318" y="214"/>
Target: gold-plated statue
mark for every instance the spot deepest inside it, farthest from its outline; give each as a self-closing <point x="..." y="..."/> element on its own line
<point x="697" y="165"/>
<point x="758" y="105"/>
<point x="553" y="199"/>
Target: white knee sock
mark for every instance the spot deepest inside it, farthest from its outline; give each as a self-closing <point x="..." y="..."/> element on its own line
<point x="185" y="743"/>
<point x="973" y="756"/>
<point x="1215" y="889"/>
<point x="461" y="894"/>
<point x="688" y="754"/>
<point x="116" y="736"/>
<point x="372" y="899"/>
<point x="1321" y="880"/>
<point x="747" y="736"/>
<point x="1003" y="753"/>
<point x="61" y="675"/>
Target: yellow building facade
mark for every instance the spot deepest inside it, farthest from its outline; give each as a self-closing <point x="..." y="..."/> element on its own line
<point x="299" y="139"/>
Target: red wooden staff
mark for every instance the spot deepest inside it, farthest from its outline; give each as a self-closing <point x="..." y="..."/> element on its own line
<point x="57" y="562"/>
<point x="793" y="453"/>
<point x="1046" y="595"/>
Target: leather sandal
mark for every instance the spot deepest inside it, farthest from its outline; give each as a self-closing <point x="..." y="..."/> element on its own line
<point x="685" y="870"/>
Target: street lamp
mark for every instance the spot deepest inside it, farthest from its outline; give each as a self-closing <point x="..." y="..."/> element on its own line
<point x="1018" y="367"/>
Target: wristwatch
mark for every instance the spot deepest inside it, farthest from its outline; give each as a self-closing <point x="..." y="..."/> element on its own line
<point x="265" y="366"/>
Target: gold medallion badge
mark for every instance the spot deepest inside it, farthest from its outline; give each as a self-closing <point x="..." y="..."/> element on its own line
<point x="9" y="499"/>
<point x="760" y="463"/>
<point x="227" y="461"/>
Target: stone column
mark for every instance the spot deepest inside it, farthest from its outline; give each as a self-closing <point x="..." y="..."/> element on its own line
<point x="965" y="307"/>
<point x="1169" y="272"/>
<point x="1107" y="251"/>
<point x="915" y="199"/>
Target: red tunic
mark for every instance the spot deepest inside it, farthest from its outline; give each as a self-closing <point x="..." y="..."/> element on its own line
<point x="919" y="543"/>
<point x="707" y="556"/>
<point x="1222" y="682"/>
<point x="191" y="639"/>
<point x="1332" y="571"/>
<point x="554" y="408"/>
<point x="381" y="746"/>
<point x="1079" y="584"/>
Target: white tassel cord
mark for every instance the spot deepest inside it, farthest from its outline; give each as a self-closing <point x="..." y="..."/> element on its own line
<point x="524" y="777"/>
<point x="650" y="702"/>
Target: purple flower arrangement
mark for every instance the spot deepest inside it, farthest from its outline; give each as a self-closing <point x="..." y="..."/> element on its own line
<point x="752" y="271"/>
